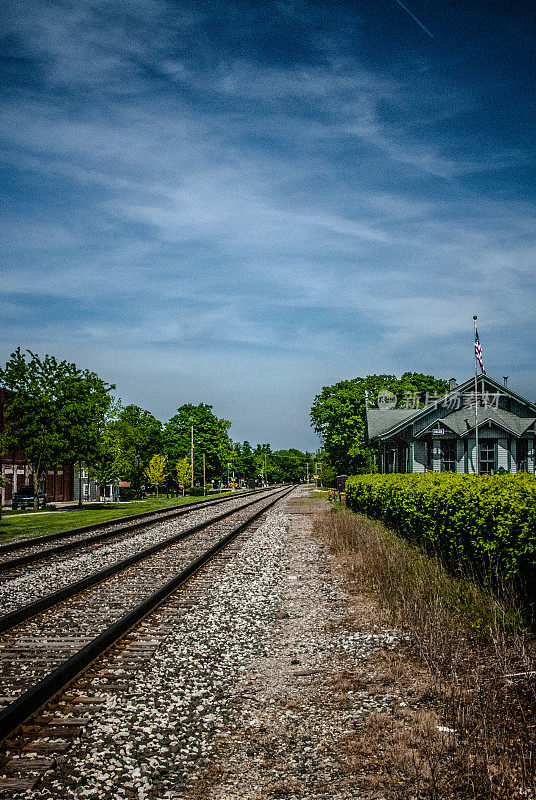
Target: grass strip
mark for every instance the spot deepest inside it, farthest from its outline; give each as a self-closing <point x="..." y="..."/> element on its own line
<point x="480" y="659"/>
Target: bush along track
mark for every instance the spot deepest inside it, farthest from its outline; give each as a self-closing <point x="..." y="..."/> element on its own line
<point x="483" y="524"/>
<point x="471" y="734"/>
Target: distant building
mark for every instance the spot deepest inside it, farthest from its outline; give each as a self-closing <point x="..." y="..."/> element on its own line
<point x="441" y="436"/>
<point x="57" y="482"/>
<point x="91" y="488"/>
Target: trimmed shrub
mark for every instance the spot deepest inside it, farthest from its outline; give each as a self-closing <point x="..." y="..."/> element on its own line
<point x="480" y="523"/>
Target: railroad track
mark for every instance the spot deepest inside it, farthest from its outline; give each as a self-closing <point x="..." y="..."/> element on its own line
<point x="24" y="584"/>
<point x="46" y="649"/>
<point x="14" y="555"/>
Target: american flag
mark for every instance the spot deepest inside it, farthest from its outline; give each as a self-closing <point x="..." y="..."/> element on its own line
<point x="478" y="352"/>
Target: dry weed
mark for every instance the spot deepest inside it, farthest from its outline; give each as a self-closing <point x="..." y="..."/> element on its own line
<point x="481" y="664"/>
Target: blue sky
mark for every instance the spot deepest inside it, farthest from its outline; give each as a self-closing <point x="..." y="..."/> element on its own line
<point x="238" y="203"/>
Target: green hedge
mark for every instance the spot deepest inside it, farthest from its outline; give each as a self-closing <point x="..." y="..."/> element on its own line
<point x="483" y="522"/>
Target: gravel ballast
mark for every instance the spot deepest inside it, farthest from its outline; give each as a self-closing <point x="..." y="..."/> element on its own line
<point x="244" y="694"/>
<point x="36" y="581"/>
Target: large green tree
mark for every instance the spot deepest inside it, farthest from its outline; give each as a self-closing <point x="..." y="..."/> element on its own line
<point x="211" y="437"/>
<point x="291" y="466"/>
<point x="325" y="470"/>
<point x="55" y="411"/>
<point x="105" y="465"/>
<point x="243" y="459"/>
<point x="338" y="414"/>
<point x="3" y="479"/>
<point x="264" y="466"/>
<point x="131" y="441"/>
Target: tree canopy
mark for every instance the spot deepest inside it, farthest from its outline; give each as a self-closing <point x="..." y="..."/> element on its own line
<point x="210" y="437"/>
<point x="55" y="411"/>
<point x="183" y="473"/>
<point x="156" y="473"/>
<point x="243" y="461"/>
<point x="338" y="414"/>
<point x="278" y="466"/>
<point x="130" y="441"/>
<point x="291" y="466"/>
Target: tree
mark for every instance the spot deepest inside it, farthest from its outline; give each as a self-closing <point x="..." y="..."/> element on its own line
<point x="83" y="413"/>
<point x="156" y="472"/>
<point x="106" y="464"/>
<point x="210" y="437"/>
<point x="183" y="471"/>
<point x="243" y="459"/>
<point x="55" y="411"/>
<point x="3" y="478"/>
<point x="133" y="437"/>
<point x="326" y="470"/>
<point x="338" y="414"/>
<point x="290" y="466"/>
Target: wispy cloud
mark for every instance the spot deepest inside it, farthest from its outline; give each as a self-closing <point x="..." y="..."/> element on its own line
<point x="247" y="202"/>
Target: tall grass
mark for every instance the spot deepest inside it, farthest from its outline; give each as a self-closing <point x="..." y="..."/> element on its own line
<point x="480" y="658"/>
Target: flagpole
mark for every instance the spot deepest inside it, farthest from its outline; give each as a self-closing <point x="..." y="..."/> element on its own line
<point x="476" y="403"/>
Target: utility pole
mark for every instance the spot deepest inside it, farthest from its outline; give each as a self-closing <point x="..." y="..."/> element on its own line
<point x="308" y="471"/>
<point x="192" y="453"/>
<point x="79" y="484"/>
<point x="204" y="474"/>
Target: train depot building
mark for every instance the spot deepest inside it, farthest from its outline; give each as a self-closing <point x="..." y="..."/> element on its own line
<point x="441" y="435"/>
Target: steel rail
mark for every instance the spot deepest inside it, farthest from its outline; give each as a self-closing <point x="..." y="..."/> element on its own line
<point x="170" y="511"/>
<point x="167" y="513"/>
<point x="18" y="712"/>
<point x="30" y="610"/>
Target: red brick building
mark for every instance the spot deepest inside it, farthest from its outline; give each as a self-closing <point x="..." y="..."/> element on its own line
<point x="57" y="482"/>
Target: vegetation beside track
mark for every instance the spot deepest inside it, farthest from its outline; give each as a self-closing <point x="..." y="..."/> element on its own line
<point x="32" y="524"/>
<point x="480" y="667"/>
<point x="480" y="523"/>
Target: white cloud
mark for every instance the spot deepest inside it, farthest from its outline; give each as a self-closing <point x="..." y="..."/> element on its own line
<point x="303" y="222"/>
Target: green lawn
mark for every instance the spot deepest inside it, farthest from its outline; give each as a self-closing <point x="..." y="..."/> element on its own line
<point x="31" y="524"/>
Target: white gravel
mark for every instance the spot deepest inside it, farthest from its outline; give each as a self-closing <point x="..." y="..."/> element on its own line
<point x="227" y="707"/>
<point x="35" y="582"/>
<point x="156" y="734"/>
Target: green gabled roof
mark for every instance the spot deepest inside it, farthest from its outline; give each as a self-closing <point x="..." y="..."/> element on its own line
<point x="482" y="379"/>
<point x="461" y="422"/>
<point x="382" y="421"/>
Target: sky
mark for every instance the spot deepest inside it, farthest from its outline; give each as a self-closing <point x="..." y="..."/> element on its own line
<point x="239" y="202"/>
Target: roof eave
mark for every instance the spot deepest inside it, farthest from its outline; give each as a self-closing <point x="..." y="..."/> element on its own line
<point x="435" y="421"/>
<point x="497" y="425"/>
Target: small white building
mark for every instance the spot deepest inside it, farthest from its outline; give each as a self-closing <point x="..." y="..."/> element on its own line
<point x="441" y="436"/>
<point x="91" y="489"/>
